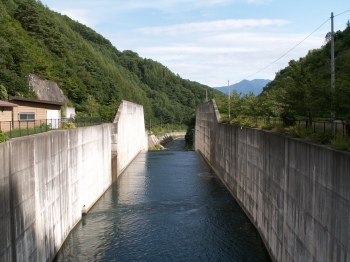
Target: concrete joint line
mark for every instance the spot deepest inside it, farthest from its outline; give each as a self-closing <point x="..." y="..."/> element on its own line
<point x="12" y="211"/>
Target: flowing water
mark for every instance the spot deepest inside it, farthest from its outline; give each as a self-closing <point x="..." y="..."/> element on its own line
<point x="166" y="206"/>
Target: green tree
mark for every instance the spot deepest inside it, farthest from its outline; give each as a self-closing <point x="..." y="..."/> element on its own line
<point x="91" y="107"/>
<point x="3" y="93"/>
<point x="249" y="105"/>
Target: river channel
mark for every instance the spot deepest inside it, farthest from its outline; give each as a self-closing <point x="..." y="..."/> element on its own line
<point x="166" y="206"/>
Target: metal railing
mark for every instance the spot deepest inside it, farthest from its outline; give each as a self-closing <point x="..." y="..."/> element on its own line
<point x="25" y="128"/>
<point x="337" y="127"/>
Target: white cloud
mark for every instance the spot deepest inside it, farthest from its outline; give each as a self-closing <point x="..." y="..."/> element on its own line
<point x="84" y="16"/>
<point x="213" y="52"/>
<point x="172" y="6"/>
<point x="214" y="26"/>
<point x="210" y="52"/>
<point x="258" y="2"/>
<point x="169" y="5"/>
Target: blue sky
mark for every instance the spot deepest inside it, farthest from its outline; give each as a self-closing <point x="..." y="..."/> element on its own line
<point x="211" y="41"/>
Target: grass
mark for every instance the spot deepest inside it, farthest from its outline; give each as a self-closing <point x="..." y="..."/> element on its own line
<point x="41" y="128"/>
<point x="18" y="132"/>
<point x="168" y="128"/>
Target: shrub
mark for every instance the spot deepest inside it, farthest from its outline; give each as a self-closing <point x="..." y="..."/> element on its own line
<point x="68" y="125"/>
<point x="3" y="136"/>
<point x="341" y="142"/>
<point x="279" y="127"/>
<point x="322" y="138"/>
<point x="288" y="118"/>
<point x="267" y="126"/>
<point x="243" y="121"/>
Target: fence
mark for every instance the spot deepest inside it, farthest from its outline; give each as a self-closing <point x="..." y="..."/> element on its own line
<point x="325" y="127"/>
<point x="25" y="128"/>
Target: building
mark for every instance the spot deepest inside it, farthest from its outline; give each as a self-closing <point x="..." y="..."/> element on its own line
<point x="23" y="112"/>
<point x="6" y="114"/>
<point x="36" y="112"/>
<point x="69" y="112"/>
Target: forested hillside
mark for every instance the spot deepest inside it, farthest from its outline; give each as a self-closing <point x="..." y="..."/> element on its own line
<point x="92" y="73"/>
<point x="303" y="89"/>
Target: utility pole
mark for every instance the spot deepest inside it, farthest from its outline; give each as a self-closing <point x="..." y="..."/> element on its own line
<point x="332" y="74"/>
<point x="229" y="106"/>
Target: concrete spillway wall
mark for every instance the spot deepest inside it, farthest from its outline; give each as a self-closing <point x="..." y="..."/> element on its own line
<point x="129" y="136"/>
<point x="48" y="180"/>
<point x="295" y="192"/>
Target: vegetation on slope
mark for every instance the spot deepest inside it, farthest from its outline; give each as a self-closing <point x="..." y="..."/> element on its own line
<point x="92" y="73"/>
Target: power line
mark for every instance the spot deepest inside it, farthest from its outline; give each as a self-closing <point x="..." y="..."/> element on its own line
<point x="290" y="49"/>
<point x="295" y="45"/>
<point x="342" y="13"/>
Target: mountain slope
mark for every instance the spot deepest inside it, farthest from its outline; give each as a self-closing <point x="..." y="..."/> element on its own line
<point x="245" y="86"/>
<point x="92" y="73"/>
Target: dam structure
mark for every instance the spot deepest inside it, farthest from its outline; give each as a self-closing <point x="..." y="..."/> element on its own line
<point x="48" y="180"/>
<point x="296" y="193"/>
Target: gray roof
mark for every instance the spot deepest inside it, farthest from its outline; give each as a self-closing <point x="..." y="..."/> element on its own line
<point x="19" y="98"/>
<point x="7" y="104"/>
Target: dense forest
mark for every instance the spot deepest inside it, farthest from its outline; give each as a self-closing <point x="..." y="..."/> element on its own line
<point x="92" y="73"/>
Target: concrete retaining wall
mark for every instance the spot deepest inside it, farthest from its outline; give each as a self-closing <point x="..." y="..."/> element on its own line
<point x="153" y="140"/>
<point x="295" y="192"/>
<point x="48" y="180"/>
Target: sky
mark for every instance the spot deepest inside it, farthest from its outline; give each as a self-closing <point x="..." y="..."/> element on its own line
<point x="212" y="41"/>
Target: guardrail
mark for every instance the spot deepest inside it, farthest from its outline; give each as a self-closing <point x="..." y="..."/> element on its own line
<point x="25" y="128"/>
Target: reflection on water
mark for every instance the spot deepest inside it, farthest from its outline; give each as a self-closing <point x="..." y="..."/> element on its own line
<point x="132" y="187"/>
<point x="166" y="206"/>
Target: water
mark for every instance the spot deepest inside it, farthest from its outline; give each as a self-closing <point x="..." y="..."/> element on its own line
<point x="166" y="206"/>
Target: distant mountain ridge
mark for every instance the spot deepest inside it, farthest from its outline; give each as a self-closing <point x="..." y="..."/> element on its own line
<point x="245" y="86"/>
